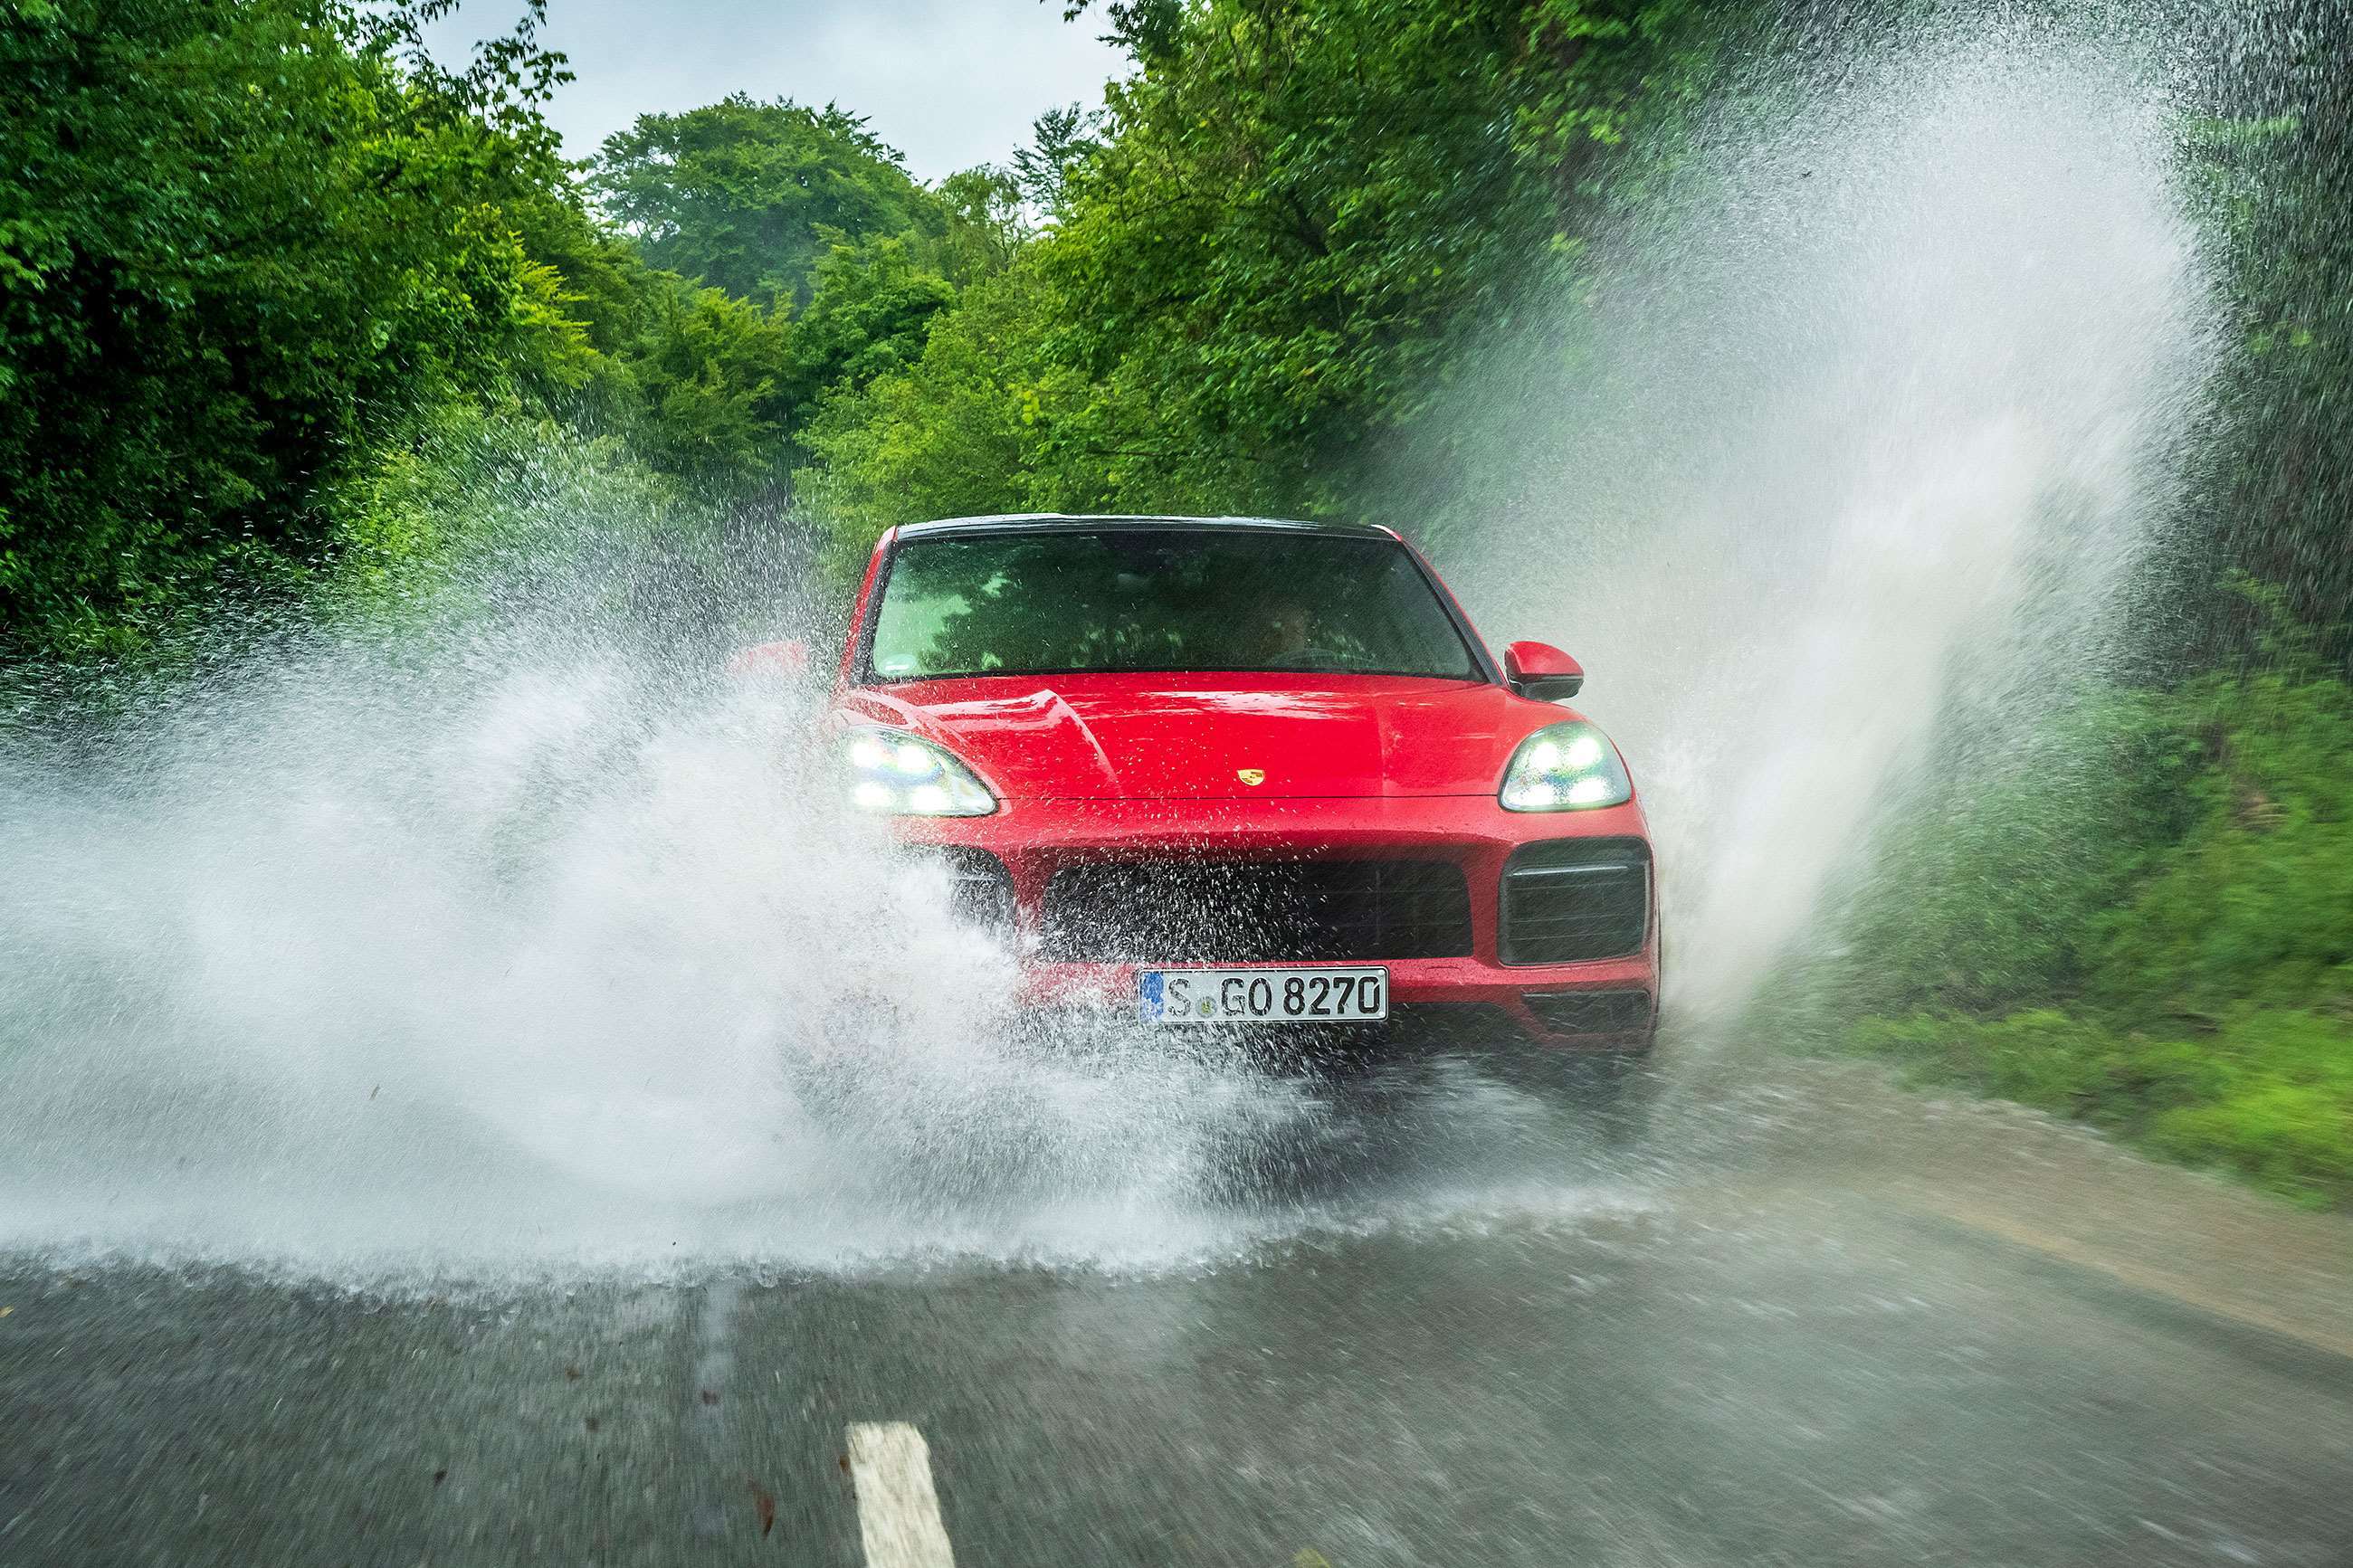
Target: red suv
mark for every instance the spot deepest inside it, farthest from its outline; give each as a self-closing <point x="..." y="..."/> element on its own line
<point x="1242" y="771"/>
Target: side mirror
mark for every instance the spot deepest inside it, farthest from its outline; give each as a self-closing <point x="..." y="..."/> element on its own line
<point x="1542" y="672"/>
<point x="787" y="658"/>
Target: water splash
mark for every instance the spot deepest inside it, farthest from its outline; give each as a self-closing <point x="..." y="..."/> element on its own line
<point x="502" y="954"/>
<point x="1886" y="402"/>
<point x="531" y="943"/>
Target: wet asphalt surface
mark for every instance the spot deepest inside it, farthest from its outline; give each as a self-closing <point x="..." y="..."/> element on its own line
<point x="1810" y="1321"/>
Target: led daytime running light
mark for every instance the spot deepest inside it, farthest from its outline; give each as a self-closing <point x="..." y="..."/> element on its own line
<point x="1565" y="767"/>
<point x="901" y="776"/>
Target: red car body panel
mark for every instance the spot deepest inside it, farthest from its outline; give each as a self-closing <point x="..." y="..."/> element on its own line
<point x="1187" y="737"/>
<point x="1100" y="766"/>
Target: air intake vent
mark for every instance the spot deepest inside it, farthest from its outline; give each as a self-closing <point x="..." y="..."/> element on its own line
<point x="980" y="890"/>
<point x="1572" y="901"/>
<point x="1593" y="1011"/>
<point x="1256" y="911"/>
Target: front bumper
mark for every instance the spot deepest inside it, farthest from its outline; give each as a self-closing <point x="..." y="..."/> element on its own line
<point x="1610" y="1003"/>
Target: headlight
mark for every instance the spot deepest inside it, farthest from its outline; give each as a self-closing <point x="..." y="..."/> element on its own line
<point x="1566" y="767"/>
<point x="900" y="775"/>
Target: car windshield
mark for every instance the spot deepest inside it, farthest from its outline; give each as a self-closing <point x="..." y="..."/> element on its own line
<point x="1162" y="600"/>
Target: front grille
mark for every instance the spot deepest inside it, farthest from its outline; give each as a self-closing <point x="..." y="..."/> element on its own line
<point x="980" y="890"/>
<point x="1593" y="1011"/>
<point x="1570" y="900"/>
<point x="1256" y="911"/>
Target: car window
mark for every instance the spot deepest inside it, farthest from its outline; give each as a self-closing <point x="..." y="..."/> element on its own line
<point x="1173" y="600"/>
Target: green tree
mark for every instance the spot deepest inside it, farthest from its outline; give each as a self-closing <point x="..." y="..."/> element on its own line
<point x="748" y="197"/>
<point x="958" y="431"/>
<point x="236" y="238"/>
<point x="1265" y="255"/>
<point x="1304" y="207"/>
<point x="2277" y="162"/>
<point x="712" y="376"/>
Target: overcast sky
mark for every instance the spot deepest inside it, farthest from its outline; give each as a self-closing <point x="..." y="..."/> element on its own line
<point x="949" y="83"/>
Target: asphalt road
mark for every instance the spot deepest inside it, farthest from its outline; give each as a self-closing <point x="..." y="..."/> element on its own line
<point x="1813" y="1321"/>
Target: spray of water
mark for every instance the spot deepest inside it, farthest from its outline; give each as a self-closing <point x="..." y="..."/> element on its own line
<point x="1887" y="400"/>
<point x="506" y="954"/>
<point x="527" y="939"/>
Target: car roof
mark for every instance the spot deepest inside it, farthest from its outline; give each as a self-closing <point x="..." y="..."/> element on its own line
<point x="1054" y="522"/>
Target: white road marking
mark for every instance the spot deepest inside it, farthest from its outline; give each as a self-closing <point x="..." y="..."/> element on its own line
<point x="706" y="1428"/>
<point x="898" y="1511"/>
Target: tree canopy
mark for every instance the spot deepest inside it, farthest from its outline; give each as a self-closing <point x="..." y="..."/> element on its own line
<point x="247" y="247"/>
<point x="236" y="238"/>
<point x="1266" y="250"/>
<point x="748" y="197"/>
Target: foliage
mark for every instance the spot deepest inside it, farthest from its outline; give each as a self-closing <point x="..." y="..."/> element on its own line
<point x="1988" y="891"/>
<point x="714" y="375"/>
<point x="1266" y="251"/>
<point x="2276" y="164"/>
<point x="467" y="486"/>
<point x="869" y="316"/>
<point x="982" y="422"/>
<point x="249" y="251"/>
<point x="1061" y="140"/>
<point x="1259" y="253"/>
<point x="2251" y="901"/>
<point x="2150" y="929"/>
<point x="747" y="196"/>
<point x="234" y="236"/>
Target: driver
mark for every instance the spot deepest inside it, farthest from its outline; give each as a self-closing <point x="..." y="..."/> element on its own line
<point x="1288" y="633"/>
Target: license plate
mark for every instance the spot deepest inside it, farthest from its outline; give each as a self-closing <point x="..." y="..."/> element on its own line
<point x="1318" y="995"/>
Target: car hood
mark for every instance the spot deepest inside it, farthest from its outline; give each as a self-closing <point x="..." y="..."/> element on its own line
<point x="1175" y="737"/>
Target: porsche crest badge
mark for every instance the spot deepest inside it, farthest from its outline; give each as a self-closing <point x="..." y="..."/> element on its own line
<point x="1252" y="776"/>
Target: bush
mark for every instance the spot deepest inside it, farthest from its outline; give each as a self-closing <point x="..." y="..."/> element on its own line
<point x="235" y="235"/>
<point x="2150" y="928"/>
<point x="2255" y="900"/>
<point x="1987" y="896"/>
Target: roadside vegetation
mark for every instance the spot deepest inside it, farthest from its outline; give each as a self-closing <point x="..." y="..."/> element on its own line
<point x="2144" y="919"/>
<point x="290" y="313"/>
<point x="259" y="257"/>
<point x="2147" y="924"/>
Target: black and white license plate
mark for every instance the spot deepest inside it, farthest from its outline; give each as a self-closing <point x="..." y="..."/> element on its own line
<point x="1318" y="995"/>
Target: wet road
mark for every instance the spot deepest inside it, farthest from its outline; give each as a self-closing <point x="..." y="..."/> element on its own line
<point x="1821" y="1322"/>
